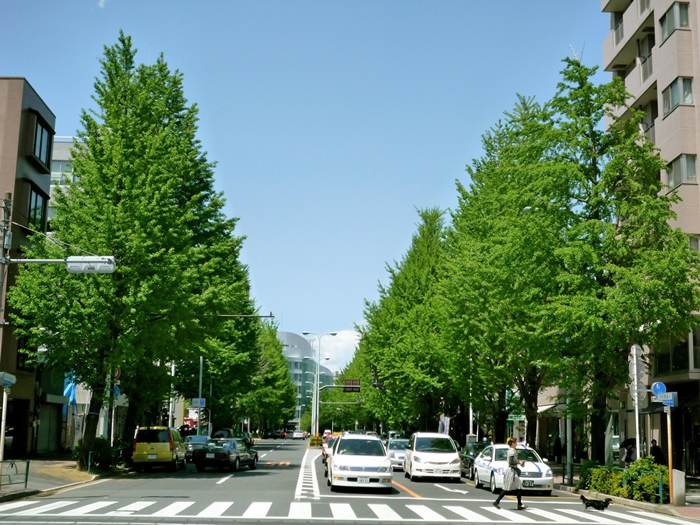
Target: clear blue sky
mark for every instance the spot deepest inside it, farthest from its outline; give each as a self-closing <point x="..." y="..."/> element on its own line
<point x="331" y="121"/>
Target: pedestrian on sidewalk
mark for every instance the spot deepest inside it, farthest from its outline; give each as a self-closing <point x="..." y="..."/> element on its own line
<point x="511" y="480"/>
<point x="655" y="451"/>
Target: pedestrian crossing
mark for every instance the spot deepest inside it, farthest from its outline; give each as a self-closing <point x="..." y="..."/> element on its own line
<point x="397" y="511"/>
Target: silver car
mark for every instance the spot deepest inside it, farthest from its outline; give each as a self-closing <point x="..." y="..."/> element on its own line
<point x="397" y="451"/>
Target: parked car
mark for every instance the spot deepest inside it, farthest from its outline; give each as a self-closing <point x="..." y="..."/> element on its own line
<point x="359" y="461"/>
<point x="158" y="446"/>
<point x="430" y="454"/>
<point x="491" y="464"/>
<point x="247" y="437"/>
<point x="298" y="434"/>
<point x="224" y="453"/>
<point x="397" y="452"/>
<point x="268" y="434"/>
<point x="192" y="442"/>
<point x="223" y="433"/>
<point x="467" y="457"/>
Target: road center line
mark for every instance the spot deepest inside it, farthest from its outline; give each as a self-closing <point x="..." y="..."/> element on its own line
<point x="406" y="489"/>
<point x="224" y="479"/>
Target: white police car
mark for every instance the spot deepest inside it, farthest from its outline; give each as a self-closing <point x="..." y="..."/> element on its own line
<point x="491" y="464"/>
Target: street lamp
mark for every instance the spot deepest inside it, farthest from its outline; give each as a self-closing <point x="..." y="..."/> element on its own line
<point x="316" y="405"/>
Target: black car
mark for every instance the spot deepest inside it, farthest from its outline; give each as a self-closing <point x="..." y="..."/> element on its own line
<point x="467" y="456"/>
<point x="246" y="437"/>
<point x="224" y="453"/>
<point x="268" y="434"/>
<point x="192" y="442"/>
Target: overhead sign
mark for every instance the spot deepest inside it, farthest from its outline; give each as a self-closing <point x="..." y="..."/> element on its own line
<point x="351" y="385"/>
<point x="199" y="402"/>
<point x="7" y="379"/>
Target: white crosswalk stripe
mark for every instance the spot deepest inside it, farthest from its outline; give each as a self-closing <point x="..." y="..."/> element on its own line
<point x="396" y="511"/>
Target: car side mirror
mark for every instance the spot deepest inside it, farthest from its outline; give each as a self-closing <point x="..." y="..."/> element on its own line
<point x="545" y="460"/>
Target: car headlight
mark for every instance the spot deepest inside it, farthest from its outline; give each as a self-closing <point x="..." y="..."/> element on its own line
<point x="548" y="474"/>
<point x="500" y="471"/>
<point x="454" y="461"/>
<point x="383" y="469"/>
<point x="417" y="459"/>
<point x="343" y="467"/>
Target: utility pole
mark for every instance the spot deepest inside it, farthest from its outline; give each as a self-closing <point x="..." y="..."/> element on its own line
<point x="6" y="244"/>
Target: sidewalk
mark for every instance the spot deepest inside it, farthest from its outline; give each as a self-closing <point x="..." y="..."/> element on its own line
<point x="690" y="511"/>
<point x="45" y="474"/>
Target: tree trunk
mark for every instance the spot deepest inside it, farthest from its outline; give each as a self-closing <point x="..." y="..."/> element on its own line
<point x="92" y="418"/>
<point x="598" y="428"/>
<point x="500" y="419"/>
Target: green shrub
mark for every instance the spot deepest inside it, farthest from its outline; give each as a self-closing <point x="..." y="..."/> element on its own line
<point x="600" y="480"/>
<point x="101" y="453"/>
<point x="644" y="486"/>
<point x="621" y="492"/>
<point x="584" y="479"/>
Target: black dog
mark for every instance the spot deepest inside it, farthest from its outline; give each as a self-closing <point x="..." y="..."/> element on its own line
<point x="595" y="503"/>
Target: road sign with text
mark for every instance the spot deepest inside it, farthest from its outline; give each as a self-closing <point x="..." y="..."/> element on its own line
<point x="351" y="385"/>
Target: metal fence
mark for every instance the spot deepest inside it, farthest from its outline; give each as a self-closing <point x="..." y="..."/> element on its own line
<point x="14" y="473"/>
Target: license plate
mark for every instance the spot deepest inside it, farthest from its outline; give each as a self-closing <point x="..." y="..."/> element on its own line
<point x="528" y="483"/>
<point x="438" y="471"/>
<point x="153" y="456"/>
<point x="363" y="480"/>
<point x="210" y="456"/>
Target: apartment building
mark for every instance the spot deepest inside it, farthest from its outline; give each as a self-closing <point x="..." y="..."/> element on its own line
<point x="654" y="46"/>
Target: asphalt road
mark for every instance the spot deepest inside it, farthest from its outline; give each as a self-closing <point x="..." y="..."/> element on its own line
<point x="289" y="487"/>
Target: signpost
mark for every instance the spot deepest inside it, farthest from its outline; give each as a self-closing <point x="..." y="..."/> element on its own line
<point x="7" y="381"/>
<point x="669" y="399"/>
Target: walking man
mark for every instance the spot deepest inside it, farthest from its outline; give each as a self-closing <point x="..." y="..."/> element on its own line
<point x="511" y="479"/>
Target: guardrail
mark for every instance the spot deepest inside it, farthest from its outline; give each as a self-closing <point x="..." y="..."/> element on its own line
<point x="559" y="470"/>
<point x="14" y="473"/>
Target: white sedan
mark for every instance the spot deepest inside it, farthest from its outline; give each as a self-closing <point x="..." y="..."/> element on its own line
<point x="358" y="460"/>
<point x="429" y="454"/>
<point x="491" y="464"/>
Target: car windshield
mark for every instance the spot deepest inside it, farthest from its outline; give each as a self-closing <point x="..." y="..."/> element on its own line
<point x="221" y="443"/>
<point x="523" y="455"/>
<point x="361" y="447"/>
<point x="433" y="444"/>
<point x="196" y="439"/>
<point x="398" y="444"/>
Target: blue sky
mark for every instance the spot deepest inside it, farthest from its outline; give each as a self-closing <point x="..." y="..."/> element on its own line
<point x="331" y="121"/>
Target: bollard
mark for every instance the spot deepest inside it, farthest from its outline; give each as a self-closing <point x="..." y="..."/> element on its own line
<point x="678" y="496"/>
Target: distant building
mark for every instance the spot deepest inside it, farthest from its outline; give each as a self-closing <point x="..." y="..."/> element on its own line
<point x="302" y="367"/>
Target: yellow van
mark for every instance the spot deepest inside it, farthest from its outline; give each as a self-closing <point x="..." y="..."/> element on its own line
<point x="160" y="446"/>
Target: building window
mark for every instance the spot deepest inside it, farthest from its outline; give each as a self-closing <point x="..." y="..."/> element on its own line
<point x="42" y="137"/>
<point x="679" y="92"/>
<point x="673" y="356"/>
<point x="696" y="348"/>
<point x="61" y="172"/>
<point x="675" y="18"/>
<point x="681" y="170"/>
<point x="695" y="246"/>
<point x="37" y="210"/>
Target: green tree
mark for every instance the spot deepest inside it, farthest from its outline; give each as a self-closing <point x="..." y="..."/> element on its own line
<point x="143" y="193"/>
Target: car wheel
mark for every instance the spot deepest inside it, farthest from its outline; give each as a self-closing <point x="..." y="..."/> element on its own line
<point x="546" y="492"/>
<point x="174" y="466"/>
<point x="492" y="485"/>
<point x="477" y="481"/>
<point x="200" y="468"/>
<point x="471" y="474"/>
<point x="236" y="465"/>
<point x="254" y="464"/>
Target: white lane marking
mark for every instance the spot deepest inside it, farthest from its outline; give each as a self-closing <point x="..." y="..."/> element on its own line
<point x="300" y="481"/>
<point x="342" y="511"/>
<point x="317" y="493"/>
<point x="662" y="517"/>
<point x="426" y="513"/>
<point x="224" y="479"/>
<point x="128" y="510"/>
<point x="467" y="514"/>
<point x="451" y="490"/>
<point x="263" y="455"/>
<point x="16" y="505"/>
<point x="257" y="509"/>
<point x="299" y="510"/>
<point x="173" y="509"/>
<point x="384" y="512"/>
<point x="550" y="515"/>
<point x="45" y="508"/>
<point x="88" y="508"/>
<point x="517" y="517"/>
<point x="592" y="515"/>
<point x="215" y="510"/>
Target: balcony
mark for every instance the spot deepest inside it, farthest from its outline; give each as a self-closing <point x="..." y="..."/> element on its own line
<point x="650" y="133"/>
<point x="614" y="6"/>
<point x="646" y="67"/>
<point x="620" y="46"/>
